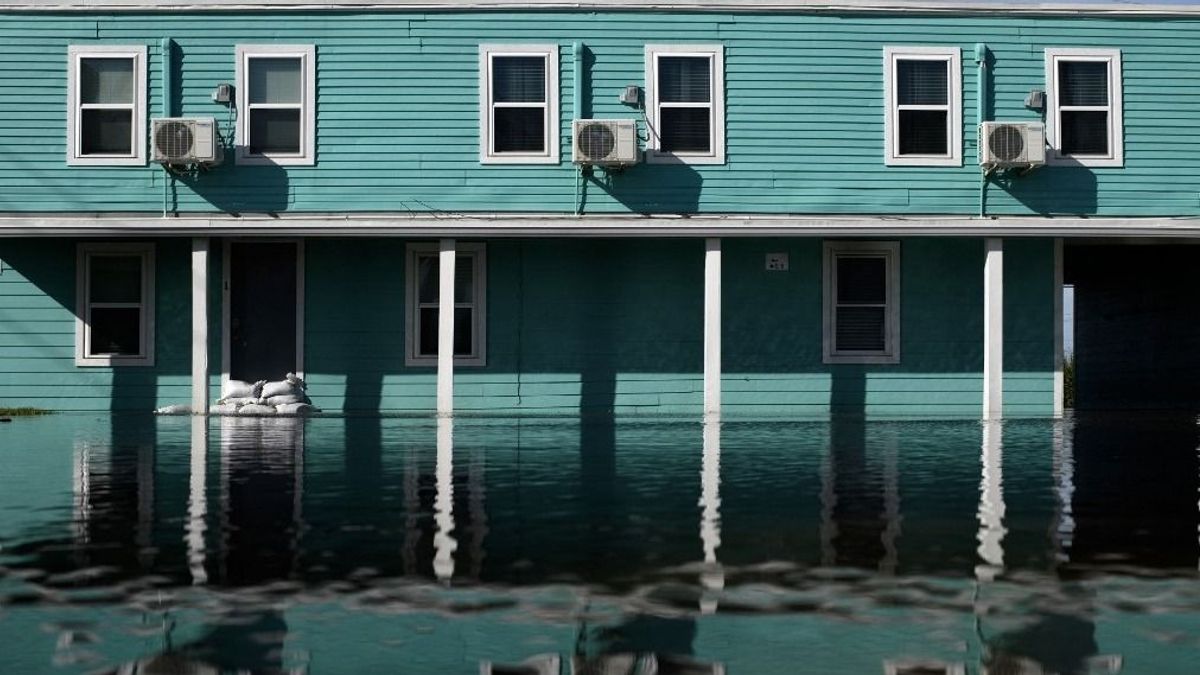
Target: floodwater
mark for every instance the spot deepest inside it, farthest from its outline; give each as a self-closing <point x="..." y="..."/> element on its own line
<point x="369" y="545"/>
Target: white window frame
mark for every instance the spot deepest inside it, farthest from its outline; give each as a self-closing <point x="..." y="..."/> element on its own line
<point x="83" y="306"/>
<point x="1116" y="124"/>
<point x="551" y="123"/>
<point x="891" y="119"/>
<point x="478" y="252"/>
<point x="716" y="55"/>
<point x="308" y="104"/>
<point x="75" y="53"/>
<point x="890" y="251"/>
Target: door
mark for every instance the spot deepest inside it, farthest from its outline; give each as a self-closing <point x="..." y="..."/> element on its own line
<point x="263" y="302"/>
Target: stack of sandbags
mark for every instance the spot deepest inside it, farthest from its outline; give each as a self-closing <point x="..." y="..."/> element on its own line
<point x="285" y="397"/>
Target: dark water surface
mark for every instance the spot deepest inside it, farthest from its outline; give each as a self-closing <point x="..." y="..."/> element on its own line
<point x="366" y="545"/>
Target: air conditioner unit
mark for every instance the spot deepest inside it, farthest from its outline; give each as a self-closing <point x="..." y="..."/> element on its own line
<point x="185" y="140"/>
<point x="1012" y="144"/>
<point x="604" y="142"/>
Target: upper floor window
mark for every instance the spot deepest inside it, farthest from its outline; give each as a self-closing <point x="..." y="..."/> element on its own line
<point x="685" y="103"/>
<point x="114" y="305"/>
<point x="470" y="294"/>
<point x="862" y="302"/>
<point x="106" y="106"/>
<point x="518" y="104"/>
<point x="923" y="112"/>
<point x="1083" y="113"/>
<point x="276" y="100"/>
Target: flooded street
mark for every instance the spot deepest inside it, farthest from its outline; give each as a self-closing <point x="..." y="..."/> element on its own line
<point x="635" y="545"/>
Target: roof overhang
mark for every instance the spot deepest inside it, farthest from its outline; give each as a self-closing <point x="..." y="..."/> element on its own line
<point x="540" y="225"/>
<point x="797" y="6"/>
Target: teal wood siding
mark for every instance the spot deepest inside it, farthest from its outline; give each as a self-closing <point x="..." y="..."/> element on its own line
<point x="37" y="333"/>
<point x="398" y="115"/>
<point x="572" y="325"/>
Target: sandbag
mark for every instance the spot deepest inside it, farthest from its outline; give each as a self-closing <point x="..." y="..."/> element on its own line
<point x="281" y="388"/>
<point x="282" y="399"/>
<point x="256" y="409"/>
<point x="224" y="409"/>
<point x="240" y="389"/>
<point x="238" y="401"/>
<point x="295" y="409"/>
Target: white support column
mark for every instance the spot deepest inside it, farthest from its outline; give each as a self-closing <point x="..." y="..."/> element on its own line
<point x="993" y="329"/>
<point x="200" y="247"/>
<point x="445" y="358"/>
<point x="712" y="326"/>
<point x="1059" y="347"/>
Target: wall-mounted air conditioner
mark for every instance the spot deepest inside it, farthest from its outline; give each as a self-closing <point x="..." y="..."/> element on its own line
<point x="185" y="140"/>
<point x="1012" y="144"/>
<point x="604" y="142"/>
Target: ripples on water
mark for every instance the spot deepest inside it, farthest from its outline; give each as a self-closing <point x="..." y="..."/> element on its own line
<point x="140" y="545"/>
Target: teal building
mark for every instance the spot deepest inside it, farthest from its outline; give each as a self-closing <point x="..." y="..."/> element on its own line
<point x="757" y="208"/>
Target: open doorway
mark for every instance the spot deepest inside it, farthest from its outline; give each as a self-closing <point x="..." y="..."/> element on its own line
<point x="263" y="310"/>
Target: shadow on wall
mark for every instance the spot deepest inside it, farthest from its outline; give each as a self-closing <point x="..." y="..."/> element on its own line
<point x="238" y="188"/>
<point x="651" y="188"/>
<point x="1061" y="190"/>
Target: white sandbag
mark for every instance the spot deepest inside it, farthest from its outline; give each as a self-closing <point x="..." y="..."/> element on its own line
<point x="224" y="409"/>
<point x="295" y="379"/>
<point x="256" y="409"/>
<point x="177" y="409"/>
<point x="240" y="389"/>
<point x="282" y="399"/>
<point x="237" y="401"/>
<point x="281" y="388"/>
<point x="295" y="409"/>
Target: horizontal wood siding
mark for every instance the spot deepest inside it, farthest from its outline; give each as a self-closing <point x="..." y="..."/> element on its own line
<point x="398" y="114"/>
<point x="37" y="333"/>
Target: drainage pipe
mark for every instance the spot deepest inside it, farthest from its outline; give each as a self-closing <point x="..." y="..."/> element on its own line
<point x="577" y="111"/>
<point x="981" y="52"/>
<point x="165" y="52"/>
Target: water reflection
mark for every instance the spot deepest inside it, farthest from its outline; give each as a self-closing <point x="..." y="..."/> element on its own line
<point x="645" y="542"/>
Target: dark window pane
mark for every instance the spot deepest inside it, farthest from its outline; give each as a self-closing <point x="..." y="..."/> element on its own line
<point x="923" y="132"/>
<point x="464" y="332"/>
<point x="276" y="80"/>
<point x="106" y="80"/>
<point x="116" y="331"/>
<point x="519" y="79"/>
<point x="427" y="331"/>
<point x="684" y="79"/>
<point x="684" y="129"/>
<point x="1082" y="83"/>
<point x="922" y="82"/>
<point x="861" y="329"/>
<point x="429" y="282"/>
<point x="274" y="131"/>
<point x="427" y="278"/>
<point x="861" y="280"/>
<point x="106" y="132"/>
<point x="519" y="130"/>
<point x="1084" y="132"/>
<point x="115" y="278"/>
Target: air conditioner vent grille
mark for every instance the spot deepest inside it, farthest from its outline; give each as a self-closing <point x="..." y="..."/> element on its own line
<point x="1007" y="143"/>
<point x="1004" y="145"/>
<point x="174" y="139"/>
<point x="596" y="141"/>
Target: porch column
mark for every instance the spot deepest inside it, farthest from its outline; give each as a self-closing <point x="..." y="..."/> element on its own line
<point x="993" y="328"/>
<point x="445" y="359"/>
<point x="200" y="247"/>
<point x="712" y="326"/>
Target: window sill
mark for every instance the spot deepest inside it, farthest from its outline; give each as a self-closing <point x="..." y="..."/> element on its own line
<point x="852" y="359"/>
<point x="923" y="161"/>
<point x="431" y="362"/>
<point x="113" y="361"/>
<point x="106" y="161"/>
<point x="657" y="157"/>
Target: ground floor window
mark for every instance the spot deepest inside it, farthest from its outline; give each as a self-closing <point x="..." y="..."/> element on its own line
<point x="422" y="288"/>
<point x="115" y="305"/>
<point x="861" y="303"/>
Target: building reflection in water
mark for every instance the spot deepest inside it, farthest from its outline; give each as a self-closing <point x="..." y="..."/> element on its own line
<point x="1063" y="527"/>
<point x="991" y="502"/>
<point x="262" y="497"/>
<point x="444" y="543"/>
<point x="197" y="512"/>
<point x="860" y="516"/>
<point x="712" y="578"/>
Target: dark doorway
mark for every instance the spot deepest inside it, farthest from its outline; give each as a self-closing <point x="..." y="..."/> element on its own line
<point x="1137" y="338"/>
<point x="263" y="297"/>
